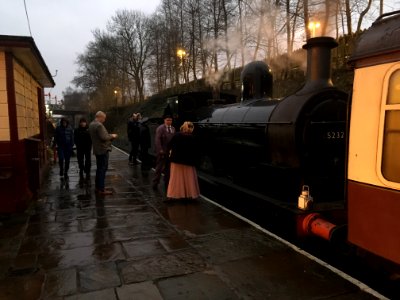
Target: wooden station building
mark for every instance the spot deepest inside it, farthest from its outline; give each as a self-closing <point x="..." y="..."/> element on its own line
<point x="23" y="77"/>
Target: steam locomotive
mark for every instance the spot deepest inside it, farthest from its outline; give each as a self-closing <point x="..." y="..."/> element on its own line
<point x="282" y="145"/>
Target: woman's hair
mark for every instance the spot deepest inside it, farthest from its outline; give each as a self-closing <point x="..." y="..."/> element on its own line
<point x="187" y="127"/>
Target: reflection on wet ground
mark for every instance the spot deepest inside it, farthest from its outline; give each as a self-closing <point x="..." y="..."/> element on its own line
<point x="73" y="244"/>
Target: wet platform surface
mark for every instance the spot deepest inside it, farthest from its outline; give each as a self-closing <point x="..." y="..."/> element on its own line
<point x="73" y="244"/>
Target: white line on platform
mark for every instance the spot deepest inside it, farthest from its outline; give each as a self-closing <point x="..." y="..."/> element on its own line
<point x="354" y="281"/>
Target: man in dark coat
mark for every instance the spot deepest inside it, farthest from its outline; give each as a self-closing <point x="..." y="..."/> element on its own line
<point x="64" y="140"/>
<point x="164" y="134"/>
<point x="145" y="143"/>
<point x="133" y="128"/>
<point x="83" y="144"/>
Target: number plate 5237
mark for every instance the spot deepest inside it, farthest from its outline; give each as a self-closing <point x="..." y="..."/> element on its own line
<point x="330" y="135"/>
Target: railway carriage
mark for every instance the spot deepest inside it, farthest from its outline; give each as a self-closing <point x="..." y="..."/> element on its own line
<point x="374" y="141"/>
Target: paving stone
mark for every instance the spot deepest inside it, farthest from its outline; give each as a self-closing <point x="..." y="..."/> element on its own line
<point x="42" y="217"/>
<point x="100" y="276"/>
<point x="52" y="228"/>
<point x="195" y="286"/>
<point x="129" y="233"/>
<point x="143" y="247"/>
<point x="60" y="283"/>
<point x="22" y="288"/>
<point x="173" y="242"/>
<point x="81" y="256"/>
<point x="229" y="245"/>
<point x="150" y="268"/>
<point x="25" y="261"/>
<point x="108" y="294"/>
<point x="118" y="221"/>
<point x="193" y="219"/>
<point x="9" y="245"/>
<point x="139" y="291"/>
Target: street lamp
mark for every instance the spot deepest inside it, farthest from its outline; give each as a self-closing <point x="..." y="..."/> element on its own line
<point x="313" y="26"/>
<point x="116" y="101"/>
<point x="181" y="54"/>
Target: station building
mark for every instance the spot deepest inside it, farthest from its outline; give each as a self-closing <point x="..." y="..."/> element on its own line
<point x="23" y="77"/>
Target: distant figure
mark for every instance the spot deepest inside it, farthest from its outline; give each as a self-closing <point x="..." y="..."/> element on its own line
<point x="145" y="143"/>
<point x="164" y="134"/>
<point x="83" y="143"/>
<point x="134" y="136"/>
<point x="64" y="140"/>
<point x="101" y="141"/>
<point x="183" y="183"/>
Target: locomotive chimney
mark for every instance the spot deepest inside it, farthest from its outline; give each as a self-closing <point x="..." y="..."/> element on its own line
<point x="318" y="63"/>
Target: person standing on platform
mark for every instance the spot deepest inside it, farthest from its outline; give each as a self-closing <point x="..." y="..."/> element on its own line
<point x="184" y="156"/>
<point x="64" y="140"/>
<point x="83" y="144"/>
<point x="133" y="136"/>
<point x="145" y="143"/>
<point x="101" y="141"/>
<point x="164" y="134"/>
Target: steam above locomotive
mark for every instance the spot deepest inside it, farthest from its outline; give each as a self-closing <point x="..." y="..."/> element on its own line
<point x="277" y="146"/>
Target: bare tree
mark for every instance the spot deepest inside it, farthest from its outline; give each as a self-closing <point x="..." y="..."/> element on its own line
<point x="131" y="29"/>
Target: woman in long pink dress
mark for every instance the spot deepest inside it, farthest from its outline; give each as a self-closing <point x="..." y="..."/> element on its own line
<point x="183" y="183"/>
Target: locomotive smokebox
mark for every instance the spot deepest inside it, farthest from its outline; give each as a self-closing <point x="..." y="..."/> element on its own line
<point x="318" y="63"/>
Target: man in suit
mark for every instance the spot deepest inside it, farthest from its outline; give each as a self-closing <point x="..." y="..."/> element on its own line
<point x="164" y="134"/>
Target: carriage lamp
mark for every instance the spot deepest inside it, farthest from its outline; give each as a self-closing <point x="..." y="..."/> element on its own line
<point x="313" y="26"/>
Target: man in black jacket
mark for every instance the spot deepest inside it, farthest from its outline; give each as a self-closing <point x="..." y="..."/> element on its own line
<point x="64" y="139"/>
<point x="83" y="144"/>
<point x="133" y="128"/>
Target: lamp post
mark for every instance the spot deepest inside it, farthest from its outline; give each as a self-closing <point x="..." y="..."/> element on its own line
<point x="181" y="53"/>
<point x="313" y="26"/>
<point x="116" y="101"/>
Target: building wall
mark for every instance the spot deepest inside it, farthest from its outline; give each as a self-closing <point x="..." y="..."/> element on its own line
<point x="27" y="102"/>
<point x="4" y="120"/>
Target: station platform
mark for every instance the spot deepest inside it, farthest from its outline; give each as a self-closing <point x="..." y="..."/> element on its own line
<point x="74" y="244"/>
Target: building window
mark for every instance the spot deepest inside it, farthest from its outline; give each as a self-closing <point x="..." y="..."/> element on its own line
<point x="391" y="135"/>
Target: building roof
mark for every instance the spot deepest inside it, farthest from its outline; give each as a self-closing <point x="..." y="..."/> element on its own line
<point x="24" y="49"/>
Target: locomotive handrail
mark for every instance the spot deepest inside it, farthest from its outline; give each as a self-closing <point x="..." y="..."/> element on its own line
<point x="386" y="15"/>
<point x="243" y="124"/>
<point x="327" y="122"/>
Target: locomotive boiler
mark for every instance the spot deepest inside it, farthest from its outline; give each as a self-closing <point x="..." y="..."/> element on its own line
<point x="278" y="146"/>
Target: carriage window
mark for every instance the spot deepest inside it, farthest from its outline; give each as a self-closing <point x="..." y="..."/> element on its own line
<point x="394" y="88"/>
<point x="391" y="134"/>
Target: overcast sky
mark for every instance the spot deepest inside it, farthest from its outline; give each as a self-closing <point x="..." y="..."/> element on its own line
<point x="62" y="28"/>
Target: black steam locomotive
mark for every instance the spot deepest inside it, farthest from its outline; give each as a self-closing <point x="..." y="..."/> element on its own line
<point x="278" y="146"/>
